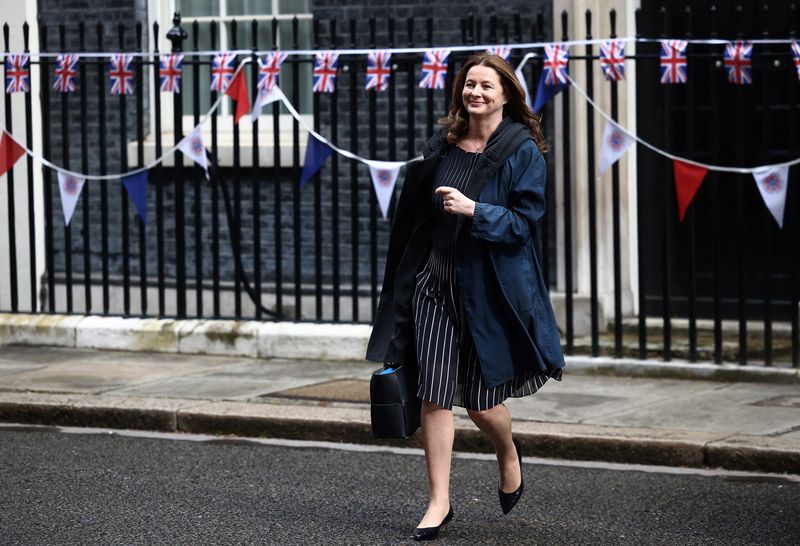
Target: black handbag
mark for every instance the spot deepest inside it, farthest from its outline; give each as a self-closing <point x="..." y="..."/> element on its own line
<point x="394" y="406"/>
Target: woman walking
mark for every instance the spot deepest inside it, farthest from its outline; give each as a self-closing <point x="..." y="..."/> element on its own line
<point x="463" y="295"/>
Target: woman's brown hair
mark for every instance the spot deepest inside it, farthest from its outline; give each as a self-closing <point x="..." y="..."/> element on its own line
<point x="457" y="120"/>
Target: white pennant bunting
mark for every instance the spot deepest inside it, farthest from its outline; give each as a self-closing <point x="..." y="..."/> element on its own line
<point x="384" y="177"/>
<point x="772" y="182"/>
<point x="70" y="188"/>
<point x="192" y="146"/>
<point x="263" y="98"/>
<point x="524" y="84"/>
<point x="615" y="142"/>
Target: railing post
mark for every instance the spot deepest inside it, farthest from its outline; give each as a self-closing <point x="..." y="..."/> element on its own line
<point x="176" y="36"/>
<point x="640" y="249"/>
<point x="742" y="220"/>
<point x="691" y="218"/>
<point x="567" y="174"/>
<point x="666" y="296"/>
<point x="31" y="198"/>
<point x="615" y="214"/>
<point x="85" y="193"/>
<point x="715" y="193"/>
<point x="159" y="179"/>
<point x="768" y="230"/>
<point x="101" y="103"/>
<point x="123" y="164"/>
<point x="793" y="139"/>
<point x="12" y="235"/>
<point x="334" y="127"/>
<point x="354" y="200"/>
<point x="198" y="178"/>
<point x="48" y="188"/>
<point x="591" y="190"/>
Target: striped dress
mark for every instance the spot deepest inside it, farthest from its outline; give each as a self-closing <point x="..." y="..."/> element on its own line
<point x="449" y="368"/>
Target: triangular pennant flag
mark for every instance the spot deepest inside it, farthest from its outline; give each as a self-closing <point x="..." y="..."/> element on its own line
<point x="615" y="142"/>
<point x="317" y="152"/>
<point x="10" y="152"/>
<point x="687" y="181"/>
<point x="70" y="188"/>
<point x="545" y="92"/>
<point x="384" y="176"/>
<point x="262" y="99"/>
<point x="772" y="182"/>
<point x="554" y="76"/>
<point x="136" y="184"/>
<point x="192" y="146"/>
<point x="524" y="84"/>
<point x="237" y="90"/>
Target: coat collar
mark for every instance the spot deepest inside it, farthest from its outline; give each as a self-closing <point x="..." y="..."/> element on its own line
<point x="503" y="142"/>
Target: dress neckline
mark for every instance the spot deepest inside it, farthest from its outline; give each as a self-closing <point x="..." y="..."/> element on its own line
<point x="465" y="151"/>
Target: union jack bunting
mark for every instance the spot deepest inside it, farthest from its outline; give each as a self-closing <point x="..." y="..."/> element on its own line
<point x="325" y="72"/>
<point x="500" y="51"/>
<point x="737" y="62"/>
<point x="18" y="73"/>
<point x="170" y="72"/>
<point x="378" y="70"/>
<point x="222" y="70"/>
<point x="434" y="68"/>
<point x="556" y="57"/>
<point x="796" y="54"/>
<point x="270" y="70"/>
<point x="121" y="74"/>
<point x="64" y="82"/>
<point x="612" y="59"/>
<point x="673" y="61"/>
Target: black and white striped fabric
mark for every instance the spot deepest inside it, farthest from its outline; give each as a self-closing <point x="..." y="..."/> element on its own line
<point x="449" y="368"/>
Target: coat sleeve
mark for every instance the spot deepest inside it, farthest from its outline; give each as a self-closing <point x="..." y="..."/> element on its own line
<point x="514" y="223"/>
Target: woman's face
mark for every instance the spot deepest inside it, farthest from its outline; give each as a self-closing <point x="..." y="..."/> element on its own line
<point x="483" y="93"/>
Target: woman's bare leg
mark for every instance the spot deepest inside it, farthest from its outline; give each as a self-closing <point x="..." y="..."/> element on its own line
<point x="496" y="423"/>
<point x="438" y="429"/>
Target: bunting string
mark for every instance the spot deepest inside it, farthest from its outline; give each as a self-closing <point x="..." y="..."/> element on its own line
<point x="479" y="47"/>
<point x="710" y="167"/>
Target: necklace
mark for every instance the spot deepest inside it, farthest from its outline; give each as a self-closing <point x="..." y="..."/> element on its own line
<point x="478" y="147"/>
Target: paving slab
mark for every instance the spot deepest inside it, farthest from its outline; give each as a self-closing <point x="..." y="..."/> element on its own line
<point x="96" y="376"/>
<point x="198" y="387"/>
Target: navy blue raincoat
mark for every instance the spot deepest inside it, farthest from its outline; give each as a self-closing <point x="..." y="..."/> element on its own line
<point x="496" y="261"/>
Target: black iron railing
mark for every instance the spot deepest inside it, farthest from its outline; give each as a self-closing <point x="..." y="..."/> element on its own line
<point x="232" y="247"/>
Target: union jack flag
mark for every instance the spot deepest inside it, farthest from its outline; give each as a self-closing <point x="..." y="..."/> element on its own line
<point x="121" y="74"/>
<point x="171" y="72"/>
<point x="378" y="70"/>
<point x="434" y="68"/>
<point x="18" y="73"/>
<point x="500" y="51"/>
<point x="796" y="54"/>
<point x="64" y="81"/>
<point x="737" y="62"/>
<point x="325" y="72"/>
<point x="556" y="57"/>
<point x="612" y="59"/>
<point x="270" y="70"/>
<point x="673" y="61"/>
<point x="222" y="70"/>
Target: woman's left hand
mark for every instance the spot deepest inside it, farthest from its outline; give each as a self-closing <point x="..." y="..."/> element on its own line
<point x="456" y="202"/>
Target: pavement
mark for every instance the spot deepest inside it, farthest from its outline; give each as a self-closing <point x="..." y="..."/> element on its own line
<point x="751" y="425"/>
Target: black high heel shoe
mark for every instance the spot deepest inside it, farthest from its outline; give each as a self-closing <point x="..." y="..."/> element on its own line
<point x="509" y="500"/>
<point x="430" y="533"/>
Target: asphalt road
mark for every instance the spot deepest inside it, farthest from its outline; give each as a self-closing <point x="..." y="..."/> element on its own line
<point x="67" y="488"/>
